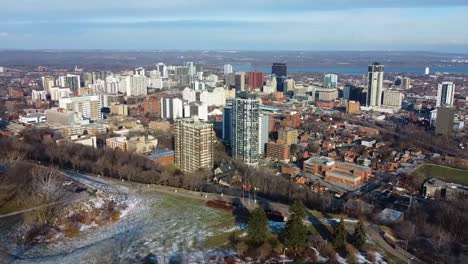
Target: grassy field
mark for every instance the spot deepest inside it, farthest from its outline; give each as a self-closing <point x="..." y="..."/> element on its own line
<point x="442" y="173"/>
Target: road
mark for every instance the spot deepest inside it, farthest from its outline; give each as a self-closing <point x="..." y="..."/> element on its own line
<point x="372" y="230"/>
<point x="123" y="189"/>
<point x="80" y="198"/>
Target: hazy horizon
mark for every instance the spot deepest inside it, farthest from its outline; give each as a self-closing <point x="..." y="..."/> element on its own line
<point x="431" y="25"/>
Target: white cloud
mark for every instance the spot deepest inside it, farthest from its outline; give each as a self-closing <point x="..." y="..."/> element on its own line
<point x="4" y="34"/>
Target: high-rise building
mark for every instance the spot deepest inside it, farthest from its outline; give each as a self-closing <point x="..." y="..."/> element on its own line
<point x="354" y="93"/>
<point x="152" y="105"/>
<point x="162" y="69"/>
<point x="240" y="81"/>
<point x="99" y="76"/>
<point x="196" y="109"/>
<point x="88" y="106"/>
<point x="277" y="151"/>
<point x="194" y="145"/>
<point x="227" y="69"/>
<point x="38" y="95"/>
<point x="406" y="83"/>
<point x="47" y="83"/>
<point x="279" y="69"/>
<point x="427" y="71"/>
<point x="70" y="81"/>
<point x="172" y="108"/>
<point x="138" y="86"/>
<point x="264" y="131"/>
<point x="392" y="99"/>
<point x="139" y="71"/>
<point x="288" y="136"/>
<point x="227" y="123"/>
<point x="445" y="94"/>
<point x="191" y="68"/>
<point x="289" y="85"/>
<point x="330" y="81"/>
<point x="255" y="80"/>
<point x="375" y="85"/>
<point x="281" y="85"/>
<point x="444" y="121"/>
<point x="245" y="128"/>
<point x="56" y="93"/>
<point x="230" y="80"/>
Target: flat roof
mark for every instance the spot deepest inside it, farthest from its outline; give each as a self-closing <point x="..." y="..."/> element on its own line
<point x="161" y="153"/>
<point x="342" y="175"/>
<point x="354" y="166"/>
<point x="319" y="160"/>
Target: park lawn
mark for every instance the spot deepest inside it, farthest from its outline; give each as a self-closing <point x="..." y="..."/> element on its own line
<point x="443" y="173"/>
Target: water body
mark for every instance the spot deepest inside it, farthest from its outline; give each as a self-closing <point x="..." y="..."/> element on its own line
<point x="359" y="70"/>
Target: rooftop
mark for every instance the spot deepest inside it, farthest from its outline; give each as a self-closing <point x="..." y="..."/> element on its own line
<point x="161" y="153"/>
<point x="343" y="175"/>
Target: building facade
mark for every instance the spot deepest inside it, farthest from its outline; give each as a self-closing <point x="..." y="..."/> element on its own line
<point x="330" y="81"/>
<point x="88" y="106"/>
<point x="392" y="99"/>
<point x="375" y="85"/>
<point x="255" y="80"/>
<point x="194" y="145"/>
<point x="445" y="94"/>
<point x="245" y="128"/>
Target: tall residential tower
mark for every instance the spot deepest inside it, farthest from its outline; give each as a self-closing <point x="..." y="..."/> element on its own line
<point x="194" y="144"/>
<point x="245" y="128"/>
<point x="445" y="94"/>
<point x="375" y="85"/>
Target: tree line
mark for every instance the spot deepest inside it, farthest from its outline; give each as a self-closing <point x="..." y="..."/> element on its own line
<point x="40" y="145"/>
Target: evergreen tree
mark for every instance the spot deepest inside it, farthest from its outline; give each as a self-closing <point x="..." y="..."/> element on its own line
<point x="298" y="210"/>
<point x="359" y="235"/>
<point x="339" y="235"/>
<point x="295" y="233"/>
<point x="258" y="227"/>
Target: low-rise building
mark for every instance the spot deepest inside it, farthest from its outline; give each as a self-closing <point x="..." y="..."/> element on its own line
<point x="339" y="172"/>
<point x="163" y="156"/>
<point x="32" y="118"/>
<point x="139" y="144"/>
<point x="435" y="188"/>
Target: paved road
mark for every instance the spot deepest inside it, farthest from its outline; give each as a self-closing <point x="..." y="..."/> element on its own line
<point x="74" y="200"/>
<point x="374" y="232"/>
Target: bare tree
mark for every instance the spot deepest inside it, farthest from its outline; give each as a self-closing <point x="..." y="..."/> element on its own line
<point x="47" y="184"/>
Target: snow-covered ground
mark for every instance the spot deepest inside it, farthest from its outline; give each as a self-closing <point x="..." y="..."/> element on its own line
<point x="164" y="225"/>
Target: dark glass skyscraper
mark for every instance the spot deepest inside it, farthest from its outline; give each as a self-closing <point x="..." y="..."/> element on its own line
<point x="279" y="69"/>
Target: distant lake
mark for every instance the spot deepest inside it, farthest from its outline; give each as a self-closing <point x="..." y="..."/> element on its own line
<point x="358" y="70"/>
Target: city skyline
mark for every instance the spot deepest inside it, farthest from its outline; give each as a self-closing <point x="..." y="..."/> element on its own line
<point x="240" y="25"/>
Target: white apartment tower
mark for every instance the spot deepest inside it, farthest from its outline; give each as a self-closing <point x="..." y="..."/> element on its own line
<point x="227" y="69"/>
<point x="375" y="85"/>
<point x="445" y="94"/>
<point x="88" y="106"/>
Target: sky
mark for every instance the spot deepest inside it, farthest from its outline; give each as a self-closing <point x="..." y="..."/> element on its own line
<point x="423" y="25"/>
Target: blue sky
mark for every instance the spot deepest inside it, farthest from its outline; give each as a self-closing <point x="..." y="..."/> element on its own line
<point x="433" y="25"/>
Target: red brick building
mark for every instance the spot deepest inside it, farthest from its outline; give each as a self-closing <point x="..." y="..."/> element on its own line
<point x="152" y="105"/>
<point x="338" y="172"/>
<point x="255" y="80"/>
